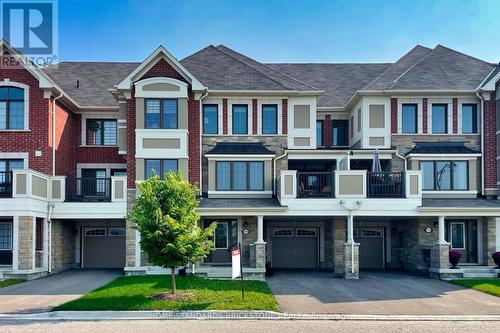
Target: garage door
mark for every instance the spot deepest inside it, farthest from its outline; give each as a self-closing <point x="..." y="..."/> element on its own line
<point x="294" y="248"/>
<point x="371" y="247"/>
<point x="103" y="247"/>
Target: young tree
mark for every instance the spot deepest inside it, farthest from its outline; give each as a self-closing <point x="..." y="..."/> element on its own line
<point x="166" y="217"/>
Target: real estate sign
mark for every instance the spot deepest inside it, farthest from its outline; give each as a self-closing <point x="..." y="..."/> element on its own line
<point x="236" y="262"/>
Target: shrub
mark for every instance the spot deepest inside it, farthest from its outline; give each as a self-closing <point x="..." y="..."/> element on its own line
<point x="454" y="257"/>
<point x="496" y="258"/>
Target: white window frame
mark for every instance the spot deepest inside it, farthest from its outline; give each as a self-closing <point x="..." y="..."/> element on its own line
<point x="26" y="88"/>
<point x="461" y="102"/>
<point x="412" y="100"/>
<point x="463" y="235"/>
<point x="248" y="103"/>
<point x="109" y="116"/>
<point x="279" y="116"/>
<point x="449" y="126"/>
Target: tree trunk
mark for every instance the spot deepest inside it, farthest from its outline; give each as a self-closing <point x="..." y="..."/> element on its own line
<point x="174" y="287"/>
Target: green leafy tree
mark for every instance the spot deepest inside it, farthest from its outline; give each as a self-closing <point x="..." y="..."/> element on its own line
<point x="166" y="217"/>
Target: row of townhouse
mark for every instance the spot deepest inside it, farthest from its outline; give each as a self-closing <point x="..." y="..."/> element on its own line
<point x="282" y="153"/>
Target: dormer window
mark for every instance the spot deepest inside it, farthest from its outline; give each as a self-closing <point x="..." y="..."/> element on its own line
<point x="11" y="108"/>
<point x="161" y="113"/>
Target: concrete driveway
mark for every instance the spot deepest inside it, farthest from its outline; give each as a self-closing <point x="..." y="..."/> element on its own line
<point x="45" y="293"/>
<point x="377" y="293"/>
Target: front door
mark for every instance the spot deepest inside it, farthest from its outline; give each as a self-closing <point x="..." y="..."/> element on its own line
<point x="225" y="239"/>
<point x="462" y="236"/>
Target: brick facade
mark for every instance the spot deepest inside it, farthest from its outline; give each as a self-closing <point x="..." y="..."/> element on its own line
<point x="394" y="115"/>
<point x="38" y="136"/>
<point x="224" y="116"/>
<point x="490" y="146"/>
<point x="327" y="131"/>
<point x="194" y="139"/>
<point x="130" y="158"/>
<point x="455" y="115"/>
<point x="424" y="115"/>
<point x="254" y="116"/>
<point x="284" y="116"/>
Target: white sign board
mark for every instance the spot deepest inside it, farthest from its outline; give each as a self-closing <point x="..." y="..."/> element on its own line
<point x="236" y="263"/>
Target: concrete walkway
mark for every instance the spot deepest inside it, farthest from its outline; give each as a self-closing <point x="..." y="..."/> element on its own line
<point x="377" y="294"/>
<point x="45" y="293"/>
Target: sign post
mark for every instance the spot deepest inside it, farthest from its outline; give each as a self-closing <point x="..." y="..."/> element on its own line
<point x="237" y="269"/>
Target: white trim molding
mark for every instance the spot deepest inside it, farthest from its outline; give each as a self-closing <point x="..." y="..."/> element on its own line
<point x="140" y="85"/>
<point x="26" y="89"/>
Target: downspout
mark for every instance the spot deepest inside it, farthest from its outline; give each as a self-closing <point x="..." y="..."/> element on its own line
<point x="54" y="134"/>
<point x="349" y="239"/>
<point x="403" y="158"/>
<point x="482" y="142"/>
<point x="274" y="169"/>
<point x="49" y="236"/>
<point x="201" y="131"/>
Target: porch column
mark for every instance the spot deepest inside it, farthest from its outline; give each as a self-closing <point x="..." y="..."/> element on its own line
<point x="351" y="253"/>
<point x="260" y="229"/>
<point x="440" y="251"/>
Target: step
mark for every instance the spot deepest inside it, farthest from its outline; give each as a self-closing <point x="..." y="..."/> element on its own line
<point x="480" y="275"/>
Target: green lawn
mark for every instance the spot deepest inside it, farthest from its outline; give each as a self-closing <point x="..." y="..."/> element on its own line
<point x="134" y="293"/>
<point x="489" y="286"/>
<point x="10" y="282"/>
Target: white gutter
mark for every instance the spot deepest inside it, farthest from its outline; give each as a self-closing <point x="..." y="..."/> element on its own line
<point x="482" y="141"/>
<point x="205" y="94"/>
<point x="274" y="170"/>
<point x="54" y="134"/>
<point x="404" y="159"/>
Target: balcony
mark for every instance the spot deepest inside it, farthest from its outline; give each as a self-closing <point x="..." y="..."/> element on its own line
<point x="88" y="189"/>
<point x="5" y="184"/>
<point x="385" y="184"/>
<point x="315" y="184"/>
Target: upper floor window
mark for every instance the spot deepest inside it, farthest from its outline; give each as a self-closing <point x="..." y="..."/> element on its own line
<point x="101" y="132"/>
<point x="239" y="175"/>
<point x="444" y="175"/>
<point x="161" y="113"/>
<point x="469" y="118"/>
<point x="439" y="118"/>
<point x="319" y="133"/>
<point x="269" y="119"/>
<point x="160" y="167"/>
<point x="210" y="119"/>
<point x="240" y="119"/>
<point x="410" y="116"/>
<point x="340" y="130"/>
<point x="11" y="108"/>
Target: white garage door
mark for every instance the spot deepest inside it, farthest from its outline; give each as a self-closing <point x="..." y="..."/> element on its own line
<point x="371" y="247"/>
<point x="103" y="247"/>
<point x="294" y="248"/>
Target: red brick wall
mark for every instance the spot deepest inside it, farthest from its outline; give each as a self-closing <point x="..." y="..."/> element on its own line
<point x="284" y="116"/>
<point x="66" y="144"/>
<point x="254" y="116"/>
<point x="490" y="144"/>
<point x="455" y="115"/>
<point x="37" y="138"/>
<point x="131" y="141"/>
<point x="194" y="139"/>
<point x="394" y="115"/>
<point x="224" y="115"/>
<point x="327" y="131"/>
<point x="424" y="115"/>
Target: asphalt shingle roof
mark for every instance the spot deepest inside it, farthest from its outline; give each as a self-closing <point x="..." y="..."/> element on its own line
<point x="461" y="203"/>
<point x="221" y="68"/>
<point x="441" y="148"/>
<point x="95" y="80"/>
<point x="245" y="148"/>
<point x="339" y="81"/>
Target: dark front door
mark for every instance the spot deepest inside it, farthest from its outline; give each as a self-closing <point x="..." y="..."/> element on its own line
<point x="5" y="243"/>
<point x="225" y="239"/>
<point x="462" y="236"/>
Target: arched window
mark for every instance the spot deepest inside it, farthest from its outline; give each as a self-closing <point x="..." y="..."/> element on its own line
<point x="11" y="108"/>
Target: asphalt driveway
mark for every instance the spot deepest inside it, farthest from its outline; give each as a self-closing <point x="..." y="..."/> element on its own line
<point x="377" y="293"/>
<point x="45" y="293"/>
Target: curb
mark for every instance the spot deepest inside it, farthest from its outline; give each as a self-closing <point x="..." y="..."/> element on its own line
<point x="225" y="315"/>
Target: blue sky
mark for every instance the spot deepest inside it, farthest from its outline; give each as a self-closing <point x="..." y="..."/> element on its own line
<point x="276" y="30"/>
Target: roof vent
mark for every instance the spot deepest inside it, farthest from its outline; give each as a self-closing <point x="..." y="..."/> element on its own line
<point x="77" y="84"/>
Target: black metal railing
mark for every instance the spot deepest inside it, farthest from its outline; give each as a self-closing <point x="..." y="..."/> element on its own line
<point x="88" y="189"/>
<point x="5" y="184"/>
<point x="315" y="184"/>
<point x="386" y="184"/>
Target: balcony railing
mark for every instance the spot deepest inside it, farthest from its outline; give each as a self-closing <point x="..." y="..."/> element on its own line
<point x="5" y="184"/>
<point x="88" y="189"/>
<point x="315" y="184"/>
<point x="386" y="184"/>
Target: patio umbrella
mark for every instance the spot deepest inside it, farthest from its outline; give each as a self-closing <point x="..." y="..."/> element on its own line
<point x="376" y="167"/>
